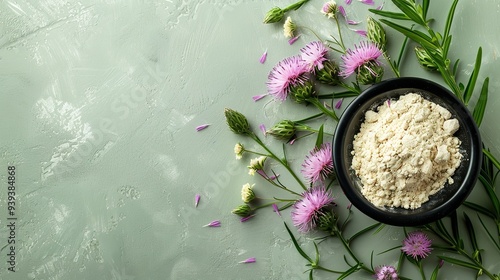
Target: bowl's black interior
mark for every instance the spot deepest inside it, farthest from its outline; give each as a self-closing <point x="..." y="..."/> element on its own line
<point x="439" y="204"/>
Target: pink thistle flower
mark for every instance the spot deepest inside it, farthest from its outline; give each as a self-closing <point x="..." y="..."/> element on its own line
<point x="307" y="211"/>
<point x="339" y="103"/>
<point x="357" y="58"/>
<point x="367" y="2"/>
<point x="249" y="260"/>
<point x="286" y="74"/>
<point x="258" y="97"/>
<point x="215" y="223"/>
<point x="276" y="209"/>
<point x="417" y="245"/>
<point x="386" y="272"/>
<point x="293" y="40"/>
<point x="201" y="127"/>
<point x="196" y="200"/>
<point x="314" y="54"/>
<point x="263" y="57"/>
<point x="318" y="165"/>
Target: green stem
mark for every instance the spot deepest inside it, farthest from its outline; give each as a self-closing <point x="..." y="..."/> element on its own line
<point x="281" y="161"/>
<point x="295" y="6"/>
<point x="264" y="205"/>
<point x="393" y="67"/>
<point x="322" y="108"/>
<point x="309" y="118"/>
<point x="340" y="35"/>
<point x="304" y="127"/>
<point x="421" y="269"/>
<point x="328" y="270"/>
<point x="337" y="232"/>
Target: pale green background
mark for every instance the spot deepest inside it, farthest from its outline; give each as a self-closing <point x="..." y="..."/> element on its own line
<point x="99" y="104"/>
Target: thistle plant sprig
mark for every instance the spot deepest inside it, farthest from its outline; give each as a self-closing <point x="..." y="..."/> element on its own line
<point x="276" y="14"/>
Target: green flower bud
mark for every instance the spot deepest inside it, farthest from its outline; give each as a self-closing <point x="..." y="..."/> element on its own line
<point x="424" y="59"/>
<point x="276" y="14"/>
<point x="284" y="130"/>
<point x="237" y="122"/>
<point x="300" y="93"/>
<point x="289" y="28"/>
<point x="247" y="193"/>
<point x="370" y="73"/>
<point x="376" y="33"/>
<point x="329" y="74"/>
<point x="242" y="210"/>
<point x="327" y="221"/>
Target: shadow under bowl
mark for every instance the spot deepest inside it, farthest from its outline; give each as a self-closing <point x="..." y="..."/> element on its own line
<point x="444" y="201"/>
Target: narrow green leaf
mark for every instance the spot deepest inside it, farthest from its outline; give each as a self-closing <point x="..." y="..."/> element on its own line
<point x="301" y="252"/>
<point x="361" y="232"/>
<point x="472" y="236"/>
<point x="479" y="208"/>
<point x="478" y="112"/>
<point x="492" y="158"/>
<point x="409" y="10"/>
<point x="446" y="45"/>
<point x="455" y="67"/>
<point x="449" y="19"/>
<point x="416" y="36"/>
<point x="425" y="7"/>
<point x="454" y="226"/>
<point x="319" y="139"/>
<point x="489" y="233"/>
<point x="393" y="15"/>
<point x="348" y="272"/>
<point x="491" y="194"/>
<point x="459" y="262"/>
<point x="473" y="77"/>
<point x="311" y="275"/>
<point x="434" y="274"/>
<point x="317" y="253"/>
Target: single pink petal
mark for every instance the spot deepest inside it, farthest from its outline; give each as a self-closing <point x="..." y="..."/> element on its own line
<point x="339" y="103"/>
<point x="215" y="223"/>
<point x="244" y="219"/>
<point x="389" y="103"/>
<point x="274" y="177"/>
<point x="276" y="209"/>
<point x="368" y="2"/>
<point x="258" y="97"/>
<point x="201" y="127"/>
<point x="352" y="22"/>
<point x="348" y="2"/>
<point x="249" y="260"/>
<point x="292" y="141"/>
<point x="342" y="12"/>
<point x="263" y="129"/>
<point x="360" y="32"/>
<point x="196" y="200"/>
<point x="349" y="206"/>
<point x="263" y="57"/>
<point x="292" y="40"/>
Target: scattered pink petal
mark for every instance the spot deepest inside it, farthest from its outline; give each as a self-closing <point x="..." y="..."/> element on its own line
<point x="352" y="22"/>
<point x="292" y="40"/>
<point x="263" y="57"/>
<point x="349" y="206"/>
<point x="275" y="207"/>
<point x="215" y="223"/>
<point x="196" y="200"/>
<point x="292" y="141"/>
<point x="339" y="103"/>
<point x="380" y="7"/>
<point x="244" y="219"/>
<point x="348" y="2"/>
<point x="389" y="103"/>
<point x="274" y="177"/>
<point x="258" y="97"/>
<point x="367" y="2"/>
<point x="263" y="129"/>
<point x="342" y="12"/>
<point x="360" y="32"/>
<point x="249" y="260"/>
<point x="201" y="127"/>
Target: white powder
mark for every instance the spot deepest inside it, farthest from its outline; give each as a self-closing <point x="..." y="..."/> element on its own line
<point x="405" y="151"/>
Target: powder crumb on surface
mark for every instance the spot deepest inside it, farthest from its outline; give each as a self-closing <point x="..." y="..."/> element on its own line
<point x="406" y="152"/>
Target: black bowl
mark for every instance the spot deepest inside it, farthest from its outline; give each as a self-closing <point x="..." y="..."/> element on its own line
<point x="444" y="201"/>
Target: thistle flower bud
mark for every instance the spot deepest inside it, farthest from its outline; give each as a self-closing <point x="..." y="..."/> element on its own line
<point x="239" y="150"/>
<point x="376" y="33"/>
<point x="329" y="9"/>
<point x="237" y="122"/>
<point x="243" y="210"/>
<point x="370" y="73"/>
<point x="276" y="14"/>
<point x="256" y="164"/>
<point x="329" y="74"/>
<point x="327" y="221"/>
<point x="301" y="92"/>
<point x="247" y="193"/>
<point x="424" y="59"/>
<point x="283" y="130"/>
<point x="289" y="28"/>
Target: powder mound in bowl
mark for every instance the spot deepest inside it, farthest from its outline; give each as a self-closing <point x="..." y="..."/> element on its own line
<point x="405" y="151"/>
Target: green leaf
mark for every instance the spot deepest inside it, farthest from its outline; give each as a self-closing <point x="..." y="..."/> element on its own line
<point x="488" y="154"/>
<point x="393" y="15"/>
<point x="317" y="253"/>
<point x="311" y="275"/>
<point x="449" y="19"/>
<point x="479" y="208"/>
<point x="361" y="232"/>
<point x="459" y="262"/>
<point x="455" y="67"/>
<point x="348" y="272"/>
<point x="419" y="37"/>
<point x="478" y="112"/>
<point x="409" y="10"/>
<point x="301" y="252"/>
<point x="472" y="236"/>
<point x="488" y="232"/>
<point x="319" y="139"/>
<point x="473" y="77"/>
<point x="434" y="274"/>
<point x="492" y="195"/>
<point x="454" y="226"/>
<point x="425" y="7"/>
